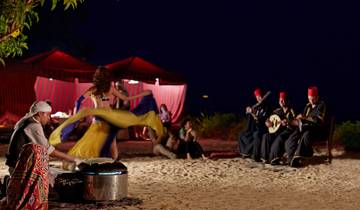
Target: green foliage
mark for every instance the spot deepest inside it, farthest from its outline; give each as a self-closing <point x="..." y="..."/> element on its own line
<point x="15" y="17"/>
<point x="71" y="3"/>
<point x="349" y="135"/>
<point x="13" y="47"/>
<point x="224" y="126"/>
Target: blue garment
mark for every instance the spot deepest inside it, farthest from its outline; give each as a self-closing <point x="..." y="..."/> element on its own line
<point x="65" y="133"/>
<point x="146" y="104"/>
<point x="105" y="151"/>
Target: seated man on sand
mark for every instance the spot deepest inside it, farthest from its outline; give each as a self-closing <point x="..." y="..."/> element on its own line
<point x="158" y="145"/>
<point x="28" y="157"/>
<point x="29" y="129"/>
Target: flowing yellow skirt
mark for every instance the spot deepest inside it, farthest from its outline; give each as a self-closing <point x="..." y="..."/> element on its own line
<point x="90" y="145"/>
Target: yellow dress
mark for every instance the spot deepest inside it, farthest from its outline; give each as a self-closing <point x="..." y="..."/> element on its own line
<point x="90" y="145"/>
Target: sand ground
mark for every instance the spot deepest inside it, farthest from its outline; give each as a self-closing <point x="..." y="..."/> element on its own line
<point x="236" y="183"/>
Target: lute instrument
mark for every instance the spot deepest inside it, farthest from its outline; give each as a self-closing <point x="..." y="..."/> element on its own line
<point x="275" y="123"/>
<point x="258" y="104"/>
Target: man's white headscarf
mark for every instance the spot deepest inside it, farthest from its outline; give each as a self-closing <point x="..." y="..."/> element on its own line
<point x="36" y="107"/>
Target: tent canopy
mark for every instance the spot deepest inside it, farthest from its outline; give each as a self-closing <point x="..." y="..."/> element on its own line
<point x="23" y="82"/>
<point x="136" y="68"/>
<point x="59" y="65"/>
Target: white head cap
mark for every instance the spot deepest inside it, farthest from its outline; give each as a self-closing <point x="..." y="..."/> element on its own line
<point x="39" y="106"/>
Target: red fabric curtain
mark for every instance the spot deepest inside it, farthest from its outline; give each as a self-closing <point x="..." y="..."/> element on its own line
<point x="80" y="89"/>
<point x="16" y="92"/>
<point x="61" y="94"/>
<point x="64" y="94"/>
<point x="133" y="89"/>
<point x="173" y="96"/>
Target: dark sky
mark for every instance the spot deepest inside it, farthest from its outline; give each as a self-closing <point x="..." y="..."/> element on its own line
<point x="225" y="49"/>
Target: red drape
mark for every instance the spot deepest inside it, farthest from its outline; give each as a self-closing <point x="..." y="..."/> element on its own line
<point x="63" y="94"/>
<point x="133" y="89"/>
<point x="173" y="96"/>
<point x="80" y="89"/>
<point x="16" y="92"/>
<point x="60" y="93"/>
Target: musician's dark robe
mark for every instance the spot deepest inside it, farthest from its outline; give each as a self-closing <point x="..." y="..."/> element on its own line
<point x="299" y="143"/>
<point x="250" y="139"/>
<point x="272" y="144"/>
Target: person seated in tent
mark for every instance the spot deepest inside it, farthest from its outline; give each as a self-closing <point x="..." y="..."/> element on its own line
<point x="165" y="116"/>
<point x="99" y="139"/>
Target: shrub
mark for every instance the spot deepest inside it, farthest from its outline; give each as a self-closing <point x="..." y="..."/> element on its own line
<point x="226" y="126"/>
<point x="348" y="133"/>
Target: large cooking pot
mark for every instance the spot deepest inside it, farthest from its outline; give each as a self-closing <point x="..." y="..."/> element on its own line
<point x="104" y="181"/>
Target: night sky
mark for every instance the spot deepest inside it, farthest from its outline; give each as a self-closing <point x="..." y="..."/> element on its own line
<point x="225" y="49"/>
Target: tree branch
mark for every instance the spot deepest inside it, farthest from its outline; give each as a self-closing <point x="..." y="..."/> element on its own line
<point x="15" y="26"/>
<point x="8" y="35"/>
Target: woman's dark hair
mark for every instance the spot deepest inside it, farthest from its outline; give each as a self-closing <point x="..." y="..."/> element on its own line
<point x="184" y="121"/>
<point x="101" y="80"/>
<point x="165" y="107"/>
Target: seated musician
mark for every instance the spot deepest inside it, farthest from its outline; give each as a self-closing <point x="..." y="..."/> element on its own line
<point x="299" y="143"/>
<point x="250" y="139"/>
<point x="272" y="148"/>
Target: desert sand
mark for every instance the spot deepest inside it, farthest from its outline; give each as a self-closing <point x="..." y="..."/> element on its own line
<point x="236" y="183"/>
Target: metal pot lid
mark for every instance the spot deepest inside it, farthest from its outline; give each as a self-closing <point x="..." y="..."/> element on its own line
<point x="104" y="173"/>
<point x="103" y="168"/>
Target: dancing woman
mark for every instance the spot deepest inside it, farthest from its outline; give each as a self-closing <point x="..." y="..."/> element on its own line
<point x="99" y="139"/>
